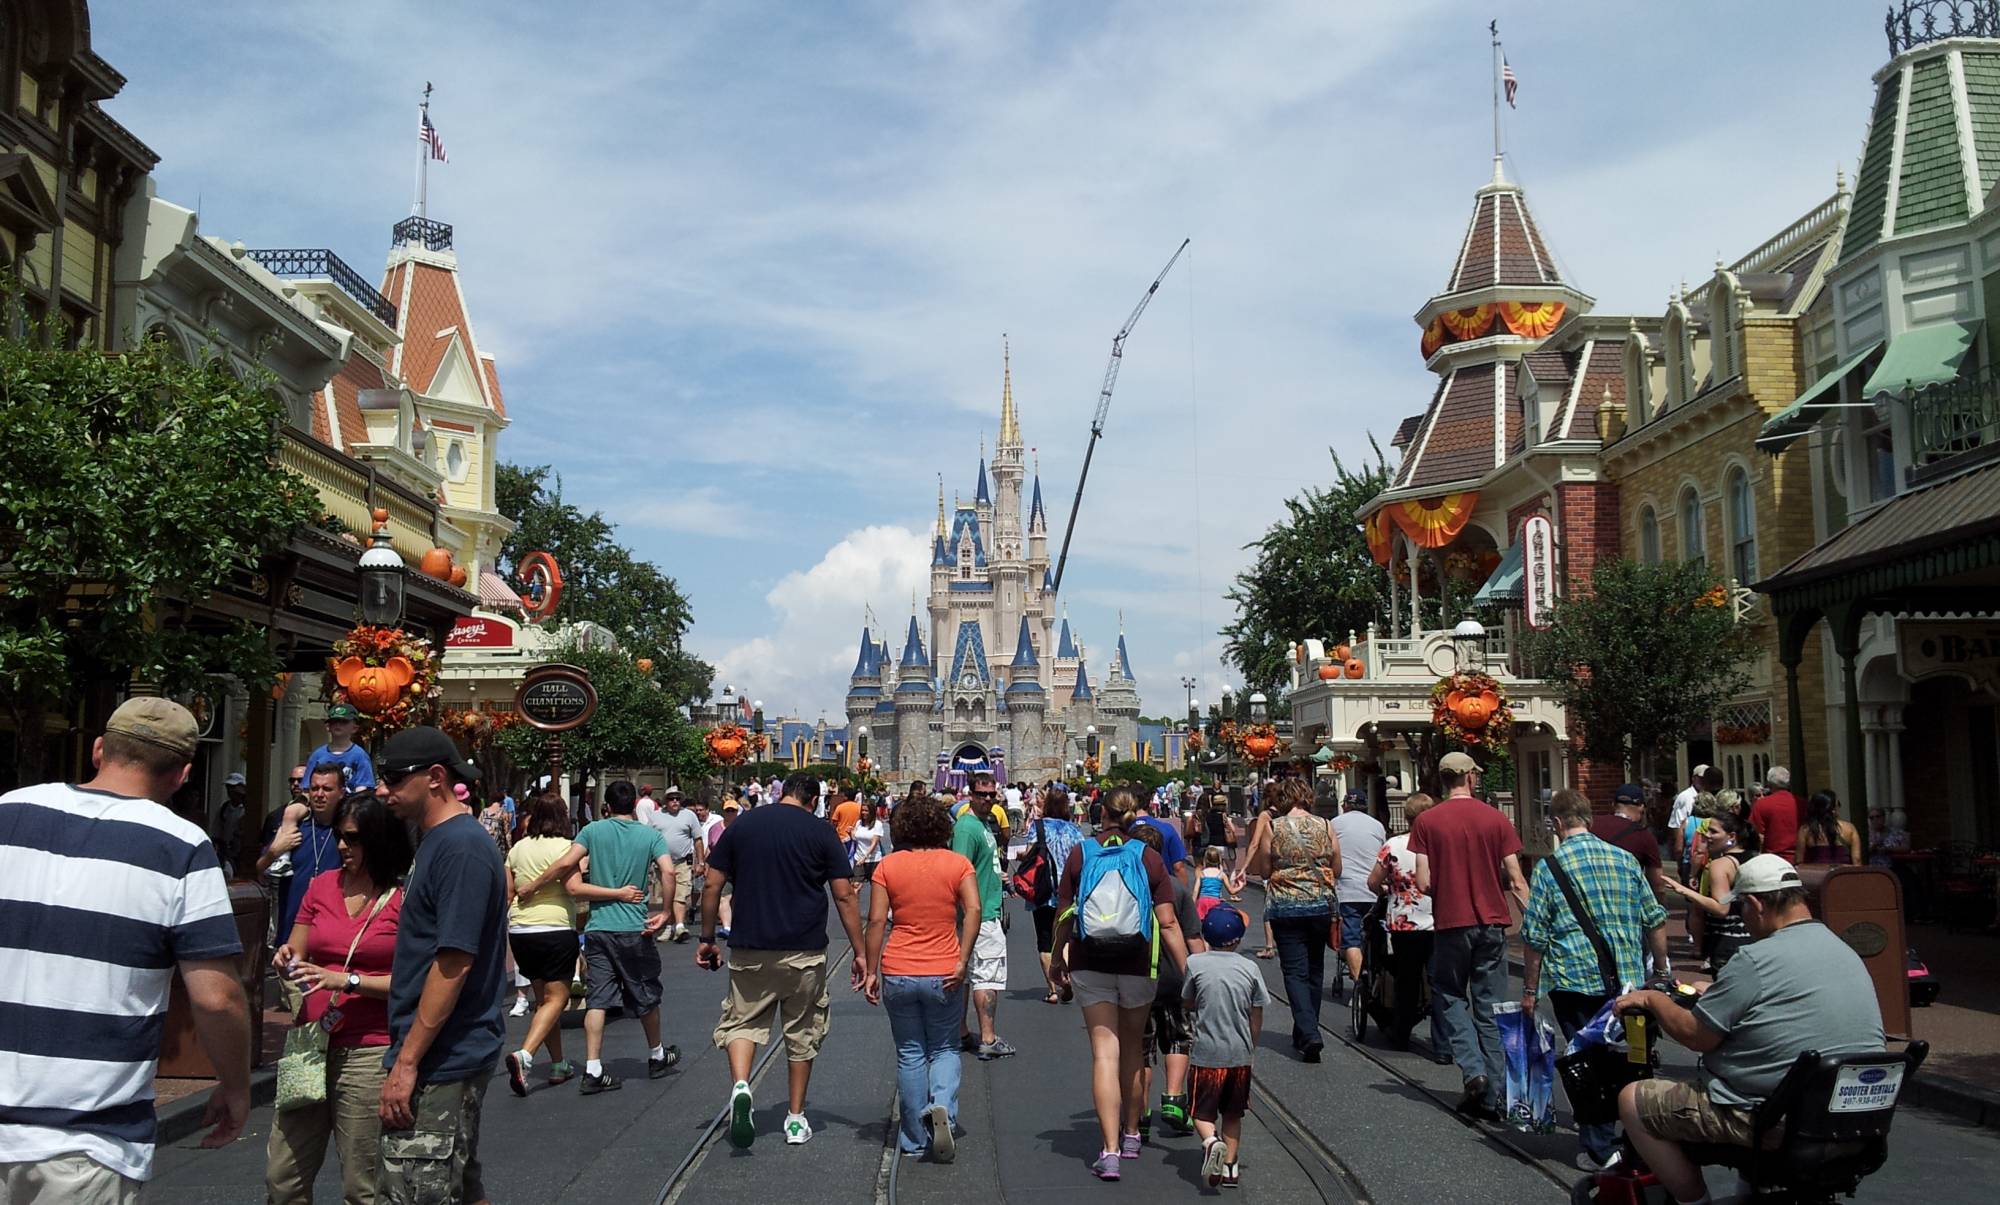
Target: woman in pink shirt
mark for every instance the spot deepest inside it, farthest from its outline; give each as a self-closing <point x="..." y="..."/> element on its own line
<point x="339" y="954"/>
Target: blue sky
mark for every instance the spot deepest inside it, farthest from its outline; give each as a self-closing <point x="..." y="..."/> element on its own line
<point x="746" y="267"/>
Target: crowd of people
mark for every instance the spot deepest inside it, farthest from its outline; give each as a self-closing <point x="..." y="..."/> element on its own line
<point x="410" y="908"/>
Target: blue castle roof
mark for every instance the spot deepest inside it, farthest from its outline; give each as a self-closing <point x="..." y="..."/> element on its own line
<point x="1065" y="646"/>
<point x="865" y="666"/>
<point x="1082" y="688"/>
<point x="1048" y="580"/>
<point x="970" y="653"/>
<point x="967" y="521"/>
<point x="1035" y="507"/>
<point x="1124" y="658"/>
<point x="1024" y="648"/>
<point x="983" y="495"/>
<point x="938" y="554"/>
<point x="913" y="647"/>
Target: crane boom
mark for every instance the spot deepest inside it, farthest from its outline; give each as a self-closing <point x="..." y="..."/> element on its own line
<point x="1104" y="404"/>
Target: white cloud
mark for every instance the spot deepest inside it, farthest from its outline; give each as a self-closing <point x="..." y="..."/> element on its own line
<point x="815" y="622"/>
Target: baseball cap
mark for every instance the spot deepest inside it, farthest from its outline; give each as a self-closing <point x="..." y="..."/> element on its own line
<point x="1698" y="771"/>
<point x="342" y="711"/>
<point x="1355" y="797"/>
<point x="1630" y="792"/>
<point x="160" y="722"/>
<point x="234" y="779"/>
<point x="1766" y="872"/>
<point x="420" y="748"/>
<point x="1223" y="926"/>
<point x="1458" y="763"/>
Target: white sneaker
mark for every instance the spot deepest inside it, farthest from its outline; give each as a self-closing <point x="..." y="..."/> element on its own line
<point x="520" y="1008"/>
<point x="742" y="1125"/>
<point x="798" y="1131"/>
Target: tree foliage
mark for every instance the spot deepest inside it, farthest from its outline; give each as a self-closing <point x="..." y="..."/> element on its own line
<point x="1644" y="656"/>
<point x="638" y="722"/>
<point x="603" y="582"/>
<point x="1313" y="576"/>
<point x="131" y="486"/>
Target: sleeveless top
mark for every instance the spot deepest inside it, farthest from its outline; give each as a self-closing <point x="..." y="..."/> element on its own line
<point x="1210" y="887"/>
<point x="1300" y="883"/>
<point x="1834" y="853"/>
<point x="1218" y="827"/>
<point x="1729" y="927"/>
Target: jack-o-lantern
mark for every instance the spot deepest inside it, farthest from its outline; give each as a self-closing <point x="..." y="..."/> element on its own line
<point x="1259" y="745"/>
<point x="1354" y="667"/>
<point x="374" y="688"/>
<point x="459" y="576"/>
<point x="1329" y="672"/>
<point x="1341" y="652"/>
<point x="436" y="563"/>
<point x="644" y="665"/>
<point x="1472" y="710"/>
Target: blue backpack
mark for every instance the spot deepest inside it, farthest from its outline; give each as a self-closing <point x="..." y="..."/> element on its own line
<point x="1114" y="902"/>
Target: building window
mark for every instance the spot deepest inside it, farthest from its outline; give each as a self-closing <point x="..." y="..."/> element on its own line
<point x="1649" y="536"/>
<point x="1878" y="452"/>
<point x="1693" y="542"/>
<point x="1742" y="507"/>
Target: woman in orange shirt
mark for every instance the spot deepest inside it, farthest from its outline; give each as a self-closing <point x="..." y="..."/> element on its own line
<point x="919" y="973"/>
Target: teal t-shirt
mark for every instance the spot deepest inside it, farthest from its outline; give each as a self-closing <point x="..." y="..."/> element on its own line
<point x="620" y="851"/>
<point x="971" y="840"/>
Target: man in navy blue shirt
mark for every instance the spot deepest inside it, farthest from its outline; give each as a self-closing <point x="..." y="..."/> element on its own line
<point x="445" y="1030"/>
<point x="1173" y="849"/>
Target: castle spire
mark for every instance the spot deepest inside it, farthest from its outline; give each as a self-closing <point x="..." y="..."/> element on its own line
<point x="1010" y="427"/>
<point x="942" y="530"/>
<point x="983" y="498"/>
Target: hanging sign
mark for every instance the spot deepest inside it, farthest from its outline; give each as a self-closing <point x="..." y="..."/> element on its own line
<point x="556" y="698"/>
<point x="1538" y="565"/>
<point x="479" y="632"/>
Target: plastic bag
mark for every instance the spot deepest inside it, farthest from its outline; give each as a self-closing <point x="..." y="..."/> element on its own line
<point x="1530" y="1047"/>
<point x="1604" y="1028"/>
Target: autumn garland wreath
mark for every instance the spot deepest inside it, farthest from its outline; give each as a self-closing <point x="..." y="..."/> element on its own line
<point x="1471" y="710"/>
<point x="388" y="675"/>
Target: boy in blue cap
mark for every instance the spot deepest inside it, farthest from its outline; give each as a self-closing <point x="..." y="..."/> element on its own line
<point x="1228" y="997"/>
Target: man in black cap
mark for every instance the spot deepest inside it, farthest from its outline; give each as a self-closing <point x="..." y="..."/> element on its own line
<point x="1626" y="828"/>
<point x="445" y="1030"/>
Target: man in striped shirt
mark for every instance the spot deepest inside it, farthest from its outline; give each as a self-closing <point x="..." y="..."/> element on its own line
<point x="103" y="893"/>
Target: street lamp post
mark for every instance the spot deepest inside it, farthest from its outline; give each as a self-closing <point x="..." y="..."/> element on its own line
<point x="861" y="736"/>
<point x="1260" y="708"/>
<point x="384" y="578"/>
<point x="1188" y="684"/>
<point x="726" y="711"/>
<point x="1090" y="740"/>
<point x="1468" y="643"/>
<point x="756" y="723"/>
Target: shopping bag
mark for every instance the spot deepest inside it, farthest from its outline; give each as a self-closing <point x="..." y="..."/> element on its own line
<point x="1530" y="1047"/>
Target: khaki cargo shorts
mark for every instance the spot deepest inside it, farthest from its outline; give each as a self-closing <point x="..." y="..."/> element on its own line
<point x="790" y="983"/>
<point x="1681" y="1112"/>
<point x="436" y="1161"/>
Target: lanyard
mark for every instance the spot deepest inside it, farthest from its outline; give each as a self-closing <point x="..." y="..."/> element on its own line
<point x="318" y="845"/>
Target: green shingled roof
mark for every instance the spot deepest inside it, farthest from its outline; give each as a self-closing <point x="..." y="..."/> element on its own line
<point x="1982" y="91"/>
<point x="1932" y="192"/>
<point x="1871" y="189"/>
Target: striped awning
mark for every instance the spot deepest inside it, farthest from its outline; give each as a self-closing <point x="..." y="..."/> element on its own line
<point x="1822" y="395"/>
<point x="1505" y="586"/>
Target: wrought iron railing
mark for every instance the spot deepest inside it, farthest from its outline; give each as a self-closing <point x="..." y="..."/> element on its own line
<point x="1914" y="23"/>
<point x="1955" y="417"/>
<point x="434" y="236"/>
<point x="318" y="261"/>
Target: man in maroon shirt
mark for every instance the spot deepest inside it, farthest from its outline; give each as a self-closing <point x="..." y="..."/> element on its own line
<point x="1776" y="816"/>
<point x="1468" y="861"/>
<point x="1626" y="828"/>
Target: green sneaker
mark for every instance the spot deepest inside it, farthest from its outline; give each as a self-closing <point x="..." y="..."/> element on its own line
<point x="1146" y="1126"/>
<point x="742" y="1126"/>
<point x="1174" y="1112"/>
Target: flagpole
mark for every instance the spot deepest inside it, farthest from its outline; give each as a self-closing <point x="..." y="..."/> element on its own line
<point x="1494" y="28"/>
<point x="424" y="154"/>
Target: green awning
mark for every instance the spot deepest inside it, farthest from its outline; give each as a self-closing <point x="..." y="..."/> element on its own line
<point x="1822" y="395"/>
<point x="1505" y="584"/>
<point x="1920" y="356"/>
<point x="1324" y="756"/>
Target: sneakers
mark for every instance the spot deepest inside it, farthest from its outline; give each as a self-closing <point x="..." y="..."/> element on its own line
<point x="722" y="934"/>
<point x="517" y="1073"/>
<point x="1232" y="1176"/>
<point x="655" y="1068"/>
<point x="998" y="1048"/>
<point x="1106" y="1166"/>
<point x="1128" y="1146"/>
<point x="520" y="1008"/>
<point x="593" y="1084"/>
<point x="1214" y="1156"/>
<point x="561" y="1073"/>
<point x="1174" y="1112"/>
<point x="1146" y="1126"/>
<point x="798" y="1131"/>
<point x="680" y="934"/>
<point x="1310" y="1052"/>
<point x="1585" y="1161"/>
<point x="742" y="1127"/>
<point x="937" y="1119"/>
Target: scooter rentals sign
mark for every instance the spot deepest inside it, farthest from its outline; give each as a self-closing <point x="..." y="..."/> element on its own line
<point x="1866" y="1089"/>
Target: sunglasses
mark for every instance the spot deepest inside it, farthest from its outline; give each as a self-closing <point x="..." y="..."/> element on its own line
<point x="348" y="836"/>
<point x="395" y="776"/>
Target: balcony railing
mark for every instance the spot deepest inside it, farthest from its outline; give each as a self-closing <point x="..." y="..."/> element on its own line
<point x="1954" y="418"/>
<point x="433" y="236"/>
<point x="320" y="262"/>
<point x="1919" y="22"/>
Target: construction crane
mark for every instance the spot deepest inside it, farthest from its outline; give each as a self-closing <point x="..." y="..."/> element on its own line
<point x="1104" y="405"/>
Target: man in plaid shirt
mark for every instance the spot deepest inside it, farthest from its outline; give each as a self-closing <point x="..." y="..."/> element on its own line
<point x="1613" y="889"/>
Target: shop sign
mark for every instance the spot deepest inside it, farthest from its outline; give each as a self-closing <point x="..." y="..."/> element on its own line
<point x="556" y="698"/>
<point x="1538" y="569"/>
<point x="477" y="632"/>
<point x="1967" y="648"/>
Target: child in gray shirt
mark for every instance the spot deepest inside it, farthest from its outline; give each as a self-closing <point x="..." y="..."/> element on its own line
<point x="1228" y="996"/>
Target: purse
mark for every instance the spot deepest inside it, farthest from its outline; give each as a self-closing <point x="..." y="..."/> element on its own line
<point x="302" y="1066"/>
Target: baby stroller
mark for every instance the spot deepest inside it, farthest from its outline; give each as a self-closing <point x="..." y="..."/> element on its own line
<point x="1374" y="993"/>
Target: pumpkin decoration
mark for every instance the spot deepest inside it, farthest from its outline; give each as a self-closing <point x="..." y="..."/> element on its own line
<point x="1354" y="668"/>
<point x="644" y="665"/>
<point x="727" y="744"/>
<point x="436" y="563"/>
<point x="1341" y="652"/>
<point x="1471" y="711"/>
<point x="459" y="576"/>
<point x="1329" y="672"/>
<point x="373" y="689"/>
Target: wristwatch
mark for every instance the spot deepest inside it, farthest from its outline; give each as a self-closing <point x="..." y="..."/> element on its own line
<point x="353" y="981"/>
<point x="708" y="939"/>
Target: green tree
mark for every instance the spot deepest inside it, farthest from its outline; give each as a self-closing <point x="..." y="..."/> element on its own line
<point x="638" y="722"/>
<point x="1140" y="776"/>
<point x="603" y="582"/>
<point x="1643" y="657"/>
<point x="1313" y="576"/>
<point x="131" y="486"/>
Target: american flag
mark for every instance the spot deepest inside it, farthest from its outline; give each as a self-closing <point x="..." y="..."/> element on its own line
<point x="428" y="134"/>
<point x="1507" y="81"/>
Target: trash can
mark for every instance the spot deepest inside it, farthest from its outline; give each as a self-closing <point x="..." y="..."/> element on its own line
<point x="181" y="1054"/>
<point x="1863" y="905"/>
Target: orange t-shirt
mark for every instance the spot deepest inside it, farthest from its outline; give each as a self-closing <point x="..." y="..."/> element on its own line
<point x="923" y="906"/>
<point x="845" y="816"/>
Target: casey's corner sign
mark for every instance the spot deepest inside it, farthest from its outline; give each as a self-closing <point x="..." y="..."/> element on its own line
<point x="479" y="632"/>
<point x="1538" y="569"/>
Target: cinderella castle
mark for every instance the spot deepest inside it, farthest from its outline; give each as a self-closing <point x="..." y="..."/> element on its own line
<point x="982" y="688"/>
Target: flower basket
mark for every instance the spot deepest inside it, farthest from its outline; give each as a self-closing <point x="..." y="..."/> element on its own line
<point x="388" y="675"/>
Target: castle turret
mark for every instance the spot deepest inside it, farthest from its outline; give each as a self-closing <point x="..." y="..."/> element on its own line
<point x="914" y="699"/>
<point x="1010" y="567"/>
<point x="1118" y="702"/>
<point x="1026" y="702"/>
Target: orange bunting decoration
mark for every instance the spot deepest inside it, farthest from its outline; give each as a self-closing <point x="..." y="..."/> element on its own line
<point x="1376" y="528"/>
<point x="1531" y="319"/>
<point x="1433" y="338"/>
<point x="1468" y="323"/>
<point x="1434" y="522"/>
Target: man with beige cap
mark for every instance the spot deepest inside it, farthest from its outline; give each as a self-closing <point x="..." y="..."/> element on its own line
<point x="103" y="893"/>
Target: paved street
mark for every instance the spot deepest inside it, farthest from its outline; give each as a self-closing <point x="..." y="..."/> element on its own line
<point x="1383" y="1116"/>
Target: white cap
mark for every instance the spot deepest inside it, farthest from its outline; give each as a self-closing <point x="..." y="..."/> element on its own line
<point x="235" y="779"/>
<point x="1766" y="873"/>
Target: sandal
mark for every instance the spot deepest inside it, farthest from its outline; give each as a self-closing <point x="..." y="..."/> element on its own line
<point x="1266" y="952"/>
<point x="1052" y="998"/>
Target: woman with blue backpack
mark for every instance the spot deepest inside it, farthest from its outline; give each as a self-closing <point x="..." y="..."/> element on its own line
<point x="1115" y="917"/>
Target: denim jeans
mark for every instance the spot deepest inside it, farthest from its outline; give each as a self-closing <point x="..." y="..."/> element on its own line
<point x="1573" y="1011"/>
<point x="1302" y="957"/>
<point x="1469" y="973"/>
<point x="924" y="1022"/>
